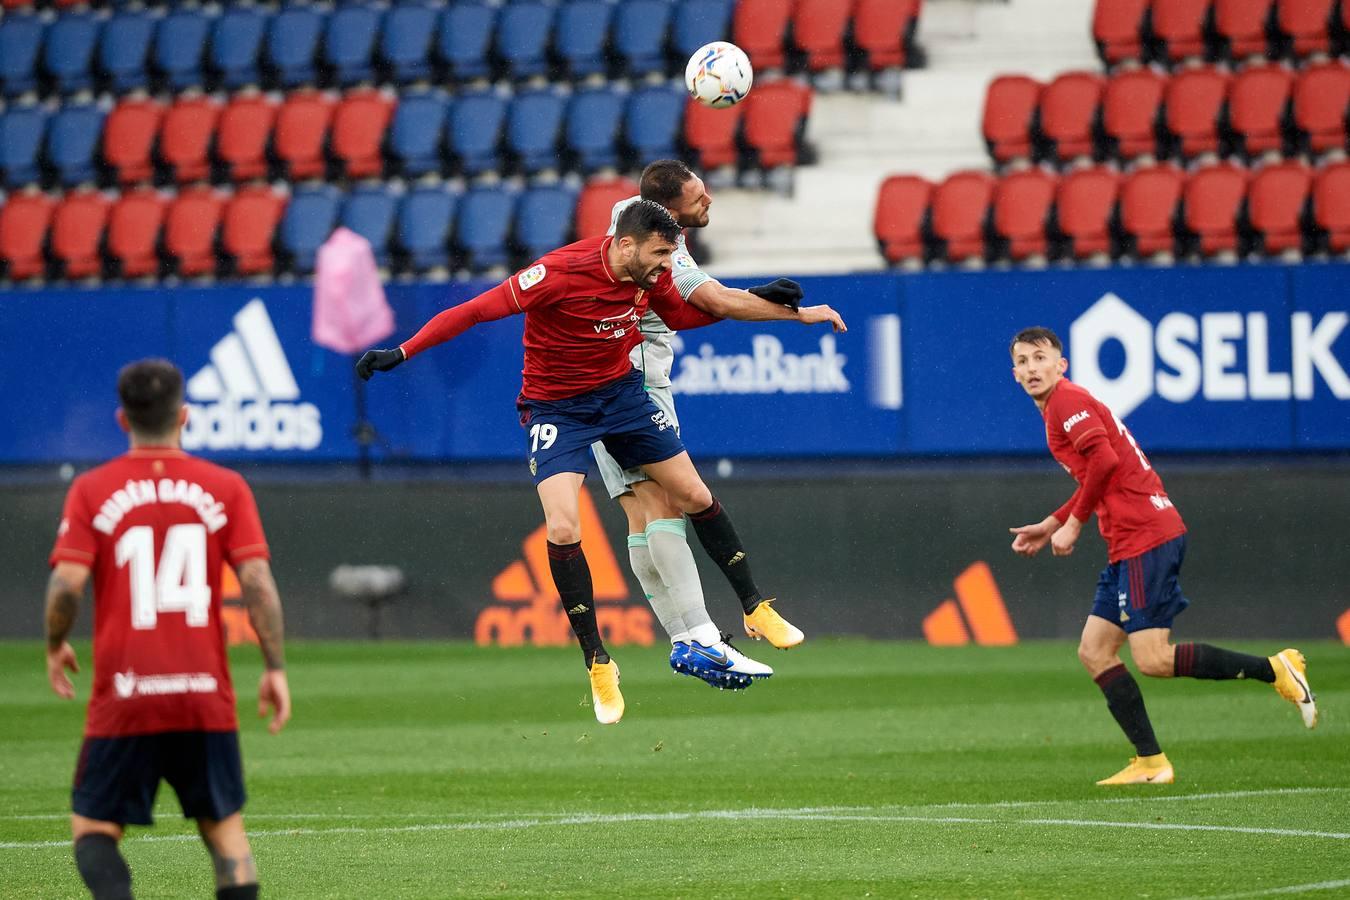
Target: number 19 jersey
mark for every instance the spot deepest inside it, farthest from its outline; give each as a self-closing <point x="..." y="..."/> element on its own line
<point x="154" y="527"/>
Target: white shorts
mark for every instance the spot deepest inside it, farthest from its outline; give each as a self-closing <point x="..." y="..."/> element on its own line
<point x="619" y="481"/>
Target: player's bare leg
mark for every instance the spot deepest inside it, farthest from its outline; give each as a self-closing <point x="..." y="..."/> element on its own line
<point x="572" y="575"/>
<point x="98" y="858"/>
<point x="1099" y="652"/>
<point x="232" y="857"/>
<point x="716" y="533"/>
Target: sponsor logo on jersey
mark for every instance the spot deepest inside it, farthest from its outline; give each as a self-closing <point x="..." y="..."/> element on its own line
<point x="1075" y="419"/>
<point x="662" y="421"/>
<point x="129" y="684"/>
<point x="1182" y="355"/>
<point x="615" y="327"/>
<point x="682" y="261"/>
<point x="1160" y="501"/>
<point x="246" y="398"/>
<point x="531" y="276"/>
<point x="766" y="369"/>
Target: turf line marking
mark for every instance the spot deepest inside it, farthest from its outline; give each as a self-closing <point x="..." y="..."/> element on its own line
<point x="1073" y="823"/>
<point x="1290" y="889"/>
<point x="1214" y="795"/>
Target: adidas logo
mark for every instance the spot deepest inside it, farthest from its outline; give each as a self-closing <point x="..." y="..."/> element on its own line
<point x="978" y="597"/>
<point x="246" y="397"/>
<point x="578" y="609"/>
<point x="737" y="558"/>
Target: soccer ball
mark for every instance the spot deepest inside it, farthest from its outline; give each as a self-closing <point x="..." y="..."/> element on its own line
<point x="719" y="75"/>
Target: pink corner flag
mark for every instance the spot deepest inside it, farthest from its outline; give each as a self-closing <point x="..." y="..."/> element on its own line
<point x="350" y="311"/>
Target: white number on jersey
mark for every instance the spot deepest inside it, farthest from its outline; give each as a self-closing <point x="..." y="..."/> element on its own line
<point x="546" y="433"/>
<point x="179" y="584"/>
<point x="1125" y="432"/>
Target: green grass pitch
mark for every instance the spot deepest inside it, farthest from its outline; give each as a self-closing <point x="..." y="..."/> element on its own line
<point x="861" y="769"/>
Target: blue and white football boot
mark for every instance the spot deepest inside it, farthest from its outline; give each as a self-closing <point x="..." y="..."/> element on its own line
<point x="720" y="665"/>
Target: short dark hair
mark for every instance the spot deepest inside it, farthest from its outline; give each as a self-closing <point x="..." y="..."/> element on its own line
<point x="151" y="391"/>
<point x="663" y="181"/>
<point x="1037" y="334"/>
<point x="643" y="218"/>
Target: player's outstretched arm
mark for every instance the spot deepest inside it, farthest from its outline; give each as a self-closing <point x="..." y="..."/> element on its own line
<point x="488" y="306"/>
<point x="263" y="601"/>
<point x="65" y="587"/>
<point x="717" y="299"/>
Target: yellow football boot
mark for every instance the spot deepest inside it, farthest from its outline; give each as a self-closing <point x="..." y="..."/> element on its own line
<point x="1143" y="770"/>
<point x="1291" y="683"/>
<point x="605" y="695"/>
<point x="765" y="623"/>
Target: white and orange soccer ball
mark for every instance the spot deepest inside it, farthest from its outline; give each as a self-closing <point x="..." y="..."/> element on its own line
<point x="719" y="75"/>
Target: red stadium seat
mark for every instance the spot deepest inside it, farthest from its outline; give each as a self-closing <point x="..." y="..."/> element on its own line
<point x="1148" y="207"/>
<point x="133" y="232"/>
<point x="902" y="203"/>
<point x="1276" y="196"/>
<point x="302" y="129"/>
<point x="77" y="232"/>
<point x="1242" y="23"/>
<point x="185" y="138"/>
<point x="1211" y="203"/>
<point x="818" y="28"/>
<point x="359" y="127"/>
<point x="1256" y="107"/>
<point x="760" y="29"/>
<point x="190" y="230"/>
<point x="1117" y="27"/>
<point x="1306" y="24"/>
<point x="1009" y="104"/>
<point x="1331" y="205"/>
<point x="774" y="116"/>
<point x="595" y="206"/>
<point x="1193" y="103"/>
<point x="1084" y="204"/>
<point x="24" y="220"/>
<point x="880" y="28"/>
<point x="251" y="219"/>
<point x="1022" y="203"/>
<point x="1180" y="27"/>
<point x="711" y="133"/>
<point x="1130" y="109"/>
<point x="1321" y="96"/>
<point x="1068" y="109"/>
<point x="245" y="127"/>
<point x="129" y="138"/>
<point x="960" y="206"/>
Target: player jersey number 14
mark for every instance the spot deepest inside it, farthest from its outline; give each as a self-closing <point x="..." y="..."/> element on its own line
<point x="177" y="584"/>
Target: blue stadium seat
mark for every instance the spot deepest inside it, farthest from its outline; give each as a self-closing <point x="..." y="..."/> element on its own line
<point x="483" y="225"/>
<point x="522" y="37"/>
<point x="180" y="44"/>
<point x="72" y="143"/>
<point x="592" y="135"/>
<point x="68" y="51"/>
<point x="544" y="219"/>
<point x="417" y="134"/>
<point x="349" y="44"/>
<point x="476" y="120"/>
<point x="533" y="127"/>
<point x="21" y="130"/>
<point x="464" y="38"/>
<point x="699" y="21"/>
<point x="123" y="48"/>
<point x="310" y="218"/>
<point x="424" y="221"/>
<point x="369" y="211"/>
<point x="579" y="37"/>
<point x="405" y="42"/>
<point x="640" y="35"/>
<point x="654" y="121"/>
<point x="20" y="41"/>
<point x="236" y="46"/>
<point x="293" y="43"/>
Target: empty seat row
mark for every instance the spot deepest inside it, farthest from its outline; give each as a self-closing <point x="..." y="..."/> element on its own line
<point x="1262" y="108"/>
<point x="827" y="34"/>
<point x="1096" y="212"/>
<point x="353" y="44"/>
<point x="1171" y="31"/>
<point x="258" y="230"/>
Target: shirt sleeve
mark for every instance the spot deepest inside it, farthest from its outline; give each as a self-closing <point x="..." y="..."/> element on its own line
<point x="666" y="302"/>
<point x="1078" y="419"/>
<point x="75" y="538"/>
<point x="688" y="276"/>
<point x="543" y="283"/>
<point x="449" y="323"/>
<point x="1101" y="462"/>
<point x="244" y="538"/>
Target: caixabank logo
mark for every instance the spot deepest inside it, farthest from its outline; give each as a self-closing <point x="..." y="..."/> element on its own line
<point x="246" y="397"/>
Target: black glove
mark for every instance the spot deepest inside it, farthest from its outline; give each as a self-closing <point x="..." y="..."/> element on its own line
<point x="783" y="291"/>
<point x="373" y="361"/>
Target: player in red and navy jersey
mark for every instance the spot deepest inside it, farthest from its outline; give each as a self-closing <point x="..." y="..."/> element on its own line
<point x="1139" y="591"/>
<point x="582" y="305"/>
<point x="153" y="528"/>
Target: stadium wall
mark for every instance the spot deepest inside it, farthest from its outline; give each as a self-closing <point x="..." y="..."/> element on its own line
<point x="917" y="554"/>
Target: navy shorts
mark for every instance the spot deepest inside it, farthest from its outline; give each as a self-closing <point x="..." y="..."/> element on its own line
<point x="620" y="415"/>
<point x="117" y="778"/>
<point x="1143" y="591"/>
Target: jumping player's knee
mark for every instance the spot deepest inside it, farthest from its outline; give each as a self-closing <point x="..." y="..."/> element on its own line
<point x="693" y="497"/>
<point x="564" y="531"/>
<point x="1095" y="659"/>
<point x="1156" y="664"/>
